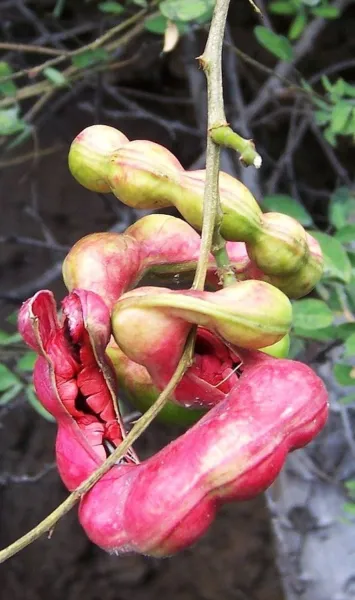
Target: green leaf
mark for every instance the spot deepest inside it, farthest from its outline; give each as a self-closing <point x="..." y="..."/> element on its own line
<point x="331" y="296"/>
<point x="345" y="234"/>
<point x="350" y="346"/>
<point x="12" y="317"/>
<point x="55" y="77"/>
<point x="326" y="334"/>
<point x="283" y="8"/>
<point x="113" y="8"/>
<point x="344" y="330"/>
<point x="35" y="403"/>
<point x="142" y="3"/>
<point x="339" y="87"/>
<point x="10" y="121"/>
<point x="322" y="117"/>
<point x="337" y="265"/>
<point x="342" y="204"/>
<point x="297" y="26"/>
<point x="276" y="44"/>
<point x="156" y="24"/>
<point x="185" y="10"/>
<point x="344" y="374"/>
<point x="201" y="20"/>
<point x="11" y="393"/>
<point x="327" y="12"/>
<point x="348" y="399"/>
<point x="340" y="115"/>
<point x="7" y="378"/>
<point x="311" y="314"/>
<point x="7" y="88"/>
<point x="90" y="58"/>
<point x="326" y="83"/>
<point x="296" y="347"/>
<point x="27" y="362"/>
<point x="349" y="507"/>
<point x="350" y="485"/>
<point x="9" y="338"/>
<point x="349" y="90"/>
<point x="349" y="128"/>
<point x="288" y="206"/>
<point x="330" y="136"/>
<point x="20" y="137"/>
<point x="310" y="2"/>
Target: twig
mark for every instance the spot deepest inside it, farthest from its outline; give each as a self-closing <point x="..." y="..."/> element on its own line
<point x="72" y="73"/>
<point x="211" y="62"/>
<point x="28" y="241"/>
<point x="331" y="156"/>
<point x="240" y="121"/>
<point x="30" y="48"/>
<point x="9" y="478"/>
<point x="45" y="279"/>
<point x="292" y="143"/>
<point x="65" y="55"/>
<point x="283" y="69"/>
<point x="17" y="160"/>
<point x="210" y="232"/>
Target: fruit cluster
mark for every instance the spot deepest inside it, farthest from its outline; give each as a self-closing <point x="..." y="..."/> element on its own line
<point x="248" y="405"/>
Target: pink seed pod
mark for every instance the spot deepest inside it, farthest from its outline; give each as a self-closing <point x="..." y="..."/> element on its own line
<point x="166" y="503"/>
<point x="73" y="377"/>
<point x="109" y="264"/>
<point x="235" y="452"/>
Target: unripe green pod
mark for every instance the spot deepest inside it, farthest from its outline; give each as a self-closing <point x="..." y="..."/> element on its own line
<point x="144" y="175"/>
<point x="242" y="215"/>
<point x="281" y="246"/>
<point x="89" y="155"/>
<point x="249" y="314"/>
<point x="137" y="384"/>
<point x="302" y="282"/>
<point x="280" y="349"/>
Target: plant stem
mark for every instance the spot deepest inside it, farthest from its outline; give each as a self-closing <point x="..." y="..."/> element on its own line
<point x="210" y="234"/>
<point x="225" y="136"/>
<point x="224" y="268"/>
<point x="211" y="62"/>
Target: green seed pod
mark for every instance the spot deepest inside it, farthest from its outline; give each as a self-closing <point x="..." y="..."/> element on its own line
<point x="281" y="246"/>
<point x="280" y="349"/>
<point x="241" y="220"/>
<point x="144" y="175"/>
<point x="137" y="384"/>
<point x="249" y="314"/>
<point x="302" y="282"/>
<point x="89" y="155"/>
